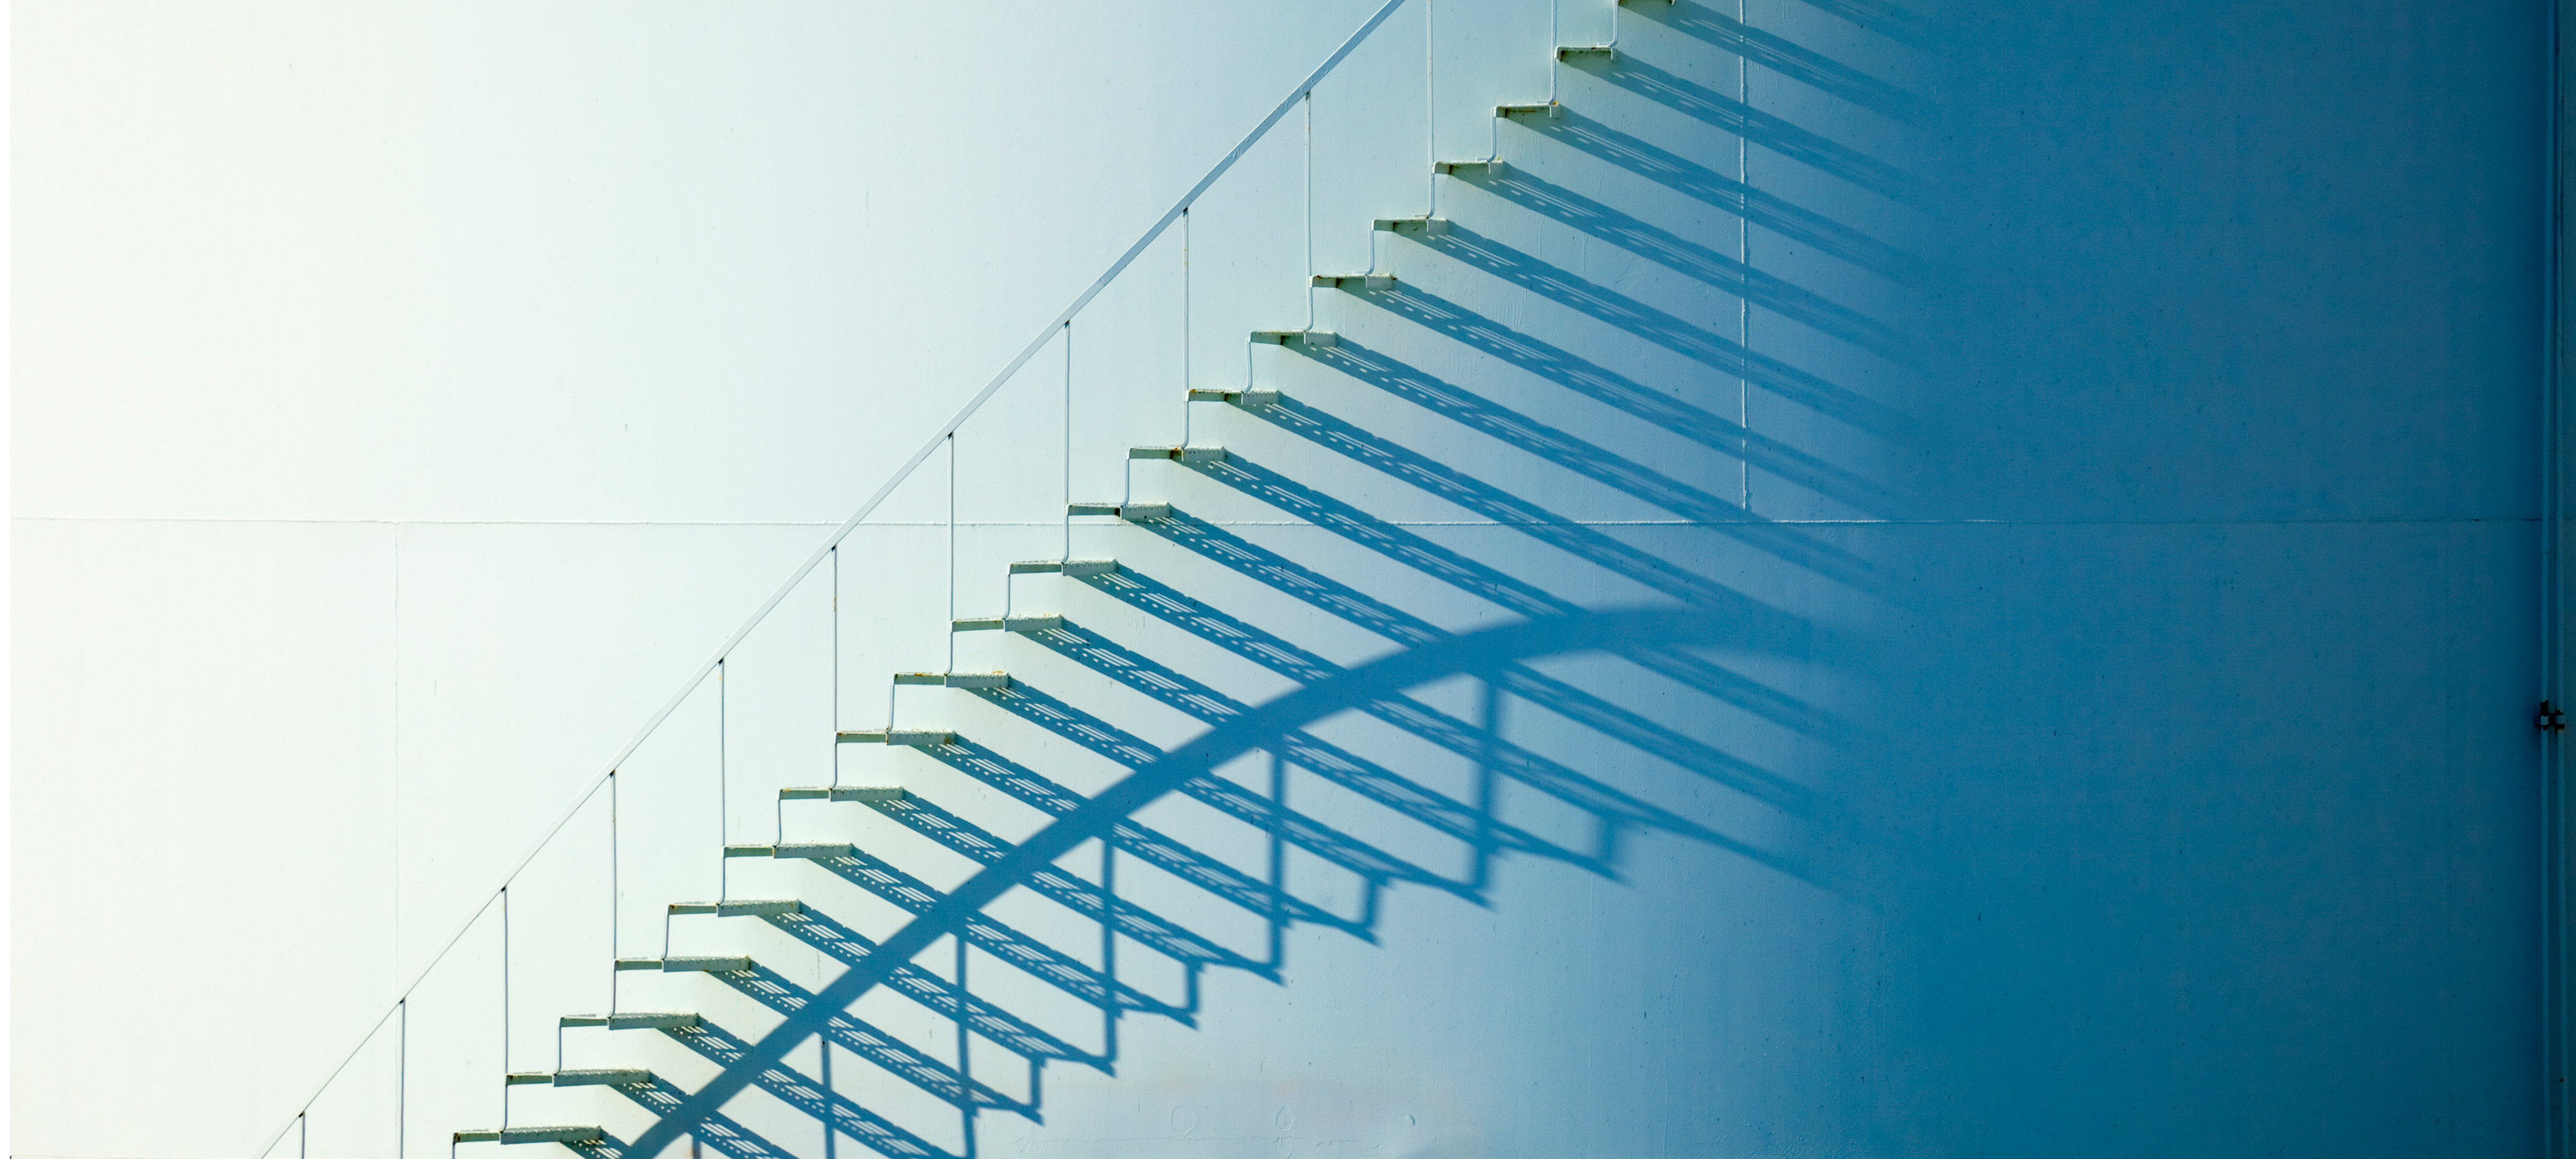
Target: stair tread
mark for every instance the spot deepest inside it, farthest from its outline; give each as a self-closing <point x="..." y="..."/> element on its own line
<point x="823" y="848"/>
<point x="532" y="1135"/>
<point x="1046" y="623"/>
<point x="1074" y="567"/>
<point x="1248" y="398"/>
<point x="632" y="1019"/>
<point x="899" y="736"/>
<point x="1318" y="338"/>
<point x="1181" y="454"/>
<point x="843" y="793"/>
<point x="687" y="963"/>
<point x="739" y="908"/>
<point x="611" y="1076"/>
<point x="1131" y="512"/>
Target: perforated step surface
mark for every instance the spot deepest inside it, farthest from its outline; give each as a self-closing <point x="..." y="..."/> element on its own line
<point x="1243" y="398"/>
<point x="1131" y="512"/>
<point x="1071" y="567"/>
<point x="1312" y="338"/>
<point x="1047" y="623"/>
<point x="736" y="909"/>
<point x="842" y="793"/>
<point x="1182" y="454"/>
<point x="533" y="1135"/>
<point x="915" y="737"/>
<point x="632" y="1020"/>
<point x="955" y="679"/>
<point x="583" y="1078"/>
<point x="808" y="850"/>
<point x="686" y="965"/>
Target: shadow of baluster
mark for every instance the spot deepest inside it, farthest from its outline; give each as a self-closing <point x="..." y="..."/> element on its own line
<point x="890" y="1054"/>
<point x="1396" y="625"/>
<point x="1140" y="925"/>
<point x="1143" y="841"/>
<point x="835" y="1111"/>
<point x="1367" y="778"/>
<point x="1374" y="866"/>
<point x="933" y="992"/>
<point x="1610" y="807"/>
<point x="1516" y="595"/>
<point x="986" y="933"/>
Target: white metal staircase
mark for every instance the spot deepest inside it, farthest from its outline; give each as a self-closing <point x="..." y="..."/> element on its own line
<point x="980" y="804"/>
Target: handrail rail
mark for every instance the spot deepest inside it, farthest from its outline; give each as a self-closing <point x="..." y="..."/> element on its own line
<point x="901" y="474"/>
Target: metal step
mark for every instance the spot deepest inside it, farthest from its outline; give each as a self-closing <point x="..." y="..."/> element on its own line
<point x="1245" y="398"/>
<point x="1071" y="567"/>
<point x="1132" y="512"/>
<point x="534" y="1135"/>
<point x="1181" y="454"/>
<point x="639" y="1020"/>
<point x="625" y="1077"/>
<point x="843" y="793"/>
<point x="795" y="849"/>
<point x="1311" y="339"/>
<point x="1354" y="281"/>
<point x="1001" y="624"/>
<point x="960" y="679"/>
<point x="738" y="909"/>
<point x="697" y="965"/>
<point x="1491" y="169"/>
<point x="1588" y="54"/>
<point x="1552" y="110"/>
<point x="1414" y="226"/>
<point x="916" y="737"/>
<point x="817" y="850"/>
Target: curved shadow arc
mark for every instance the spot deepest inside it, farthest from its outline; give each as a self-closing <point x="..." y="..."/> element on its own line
<point x="1581" y="632"/>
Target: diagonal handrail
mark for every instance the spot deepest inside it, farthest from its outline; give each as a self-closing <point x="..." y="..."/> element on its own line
<point x="697" y="677"/>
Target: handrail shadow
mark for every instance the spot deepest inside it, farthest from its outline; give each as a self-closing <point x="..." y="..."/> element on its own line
<point x="959" y="912"/>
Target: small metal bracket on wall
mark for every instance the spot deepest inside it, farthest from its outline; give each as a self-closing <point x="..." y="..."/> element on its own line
<point x="2549" y="718"/>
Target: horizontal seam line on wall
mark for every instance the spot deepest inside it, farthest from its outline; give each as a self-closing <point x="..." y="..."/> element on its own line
<point x="2395" y="519"/>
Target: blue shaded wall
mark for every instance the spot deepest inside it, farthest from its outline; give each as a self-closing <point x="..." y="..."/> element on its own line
<point x="2109" y="433"/>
